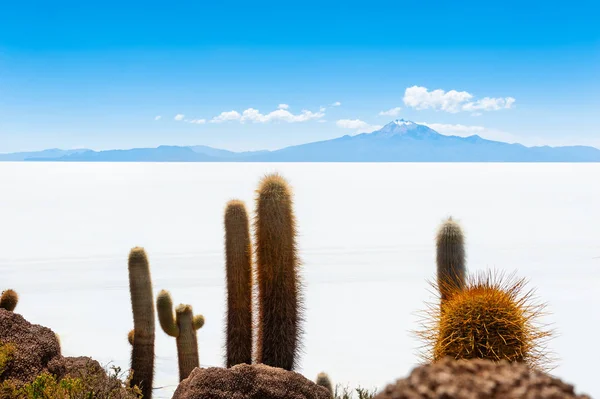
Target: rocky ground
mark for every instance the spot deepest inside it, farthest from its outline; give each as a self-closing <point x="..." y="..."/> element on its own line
<point x="30" y="350"/>
<point x="248" y="382"/>
<point x="478" y="379"/>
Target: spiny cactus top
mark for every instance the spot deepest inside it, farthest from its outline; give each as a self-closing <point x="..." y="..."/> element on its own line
<point x="324" y="381"/>
<point x="491" y="318"/>
<point x="9" y="300"/>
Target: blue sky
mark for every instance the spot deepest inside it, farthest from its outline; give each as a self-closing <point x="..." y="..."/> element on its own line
<point x="246" y="76"/>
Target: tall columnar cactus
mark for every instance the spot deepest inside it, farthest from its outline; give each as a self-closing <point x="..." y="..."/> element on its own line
<point x="9" y="300"/>
<point x="450" y="258"/>
<point x="238" y="255"/>
<point x="142" y="354"/>
<point x="183" y="327"/>
<point x="324" y="381"/>
<point x="280" y="310"/>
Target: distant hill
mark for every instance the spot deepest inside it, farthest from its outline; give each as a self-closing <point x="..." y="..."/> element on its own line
<point x="160" y="154"/>
<point x="406" y="141"/>
<point x="214" y="152"/>
<point x="398" y="141"/>
<point x="53" y="153"/>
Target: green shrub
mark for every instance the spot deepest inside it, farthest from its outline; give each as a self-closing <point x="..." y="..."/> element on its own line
<point x="6" y="355"/>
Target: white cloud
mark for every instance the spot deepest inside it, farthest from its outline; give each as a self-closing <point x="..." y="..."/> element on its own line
<point x="490" y="104"/>
<point x="226" y="116"/>
<point x="279" y="115"/>
<point x="391" y="112"/>
<point x="357" y="124"/>
<point x="179" y="117"/>
<point x="453" y="101"/>
<point x="283" y="106"/>
<point x="198" y="121"/>
<point x="336" y="104"/>
<point x="156" y="118"/>
<point x="283" y="115"/>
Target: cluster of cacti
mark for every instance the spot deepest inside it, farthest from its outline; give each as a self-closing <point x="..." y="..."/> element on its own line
<point x="484" y="316"/>
<point x="277" y="277"/>
<point x="142" y="336"/>
<point x="9" y="300"/>
<point x="182" y="326"/>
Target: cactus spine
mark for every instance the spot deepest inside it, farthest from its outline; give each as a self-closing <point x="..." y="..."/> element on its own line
<point x="277" y="262"/>
<point x="450" y="258"/>
<point x="142" y="354"/>
<point x="9" y="300"/>
<point x="183" y="327"/>
<point x="238" y="255"/>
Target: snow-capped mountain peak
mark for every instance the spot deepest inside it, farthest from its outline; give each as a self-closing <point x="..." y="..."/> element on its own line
<point x="402" y="122"/>
<point x="401" y="127"/>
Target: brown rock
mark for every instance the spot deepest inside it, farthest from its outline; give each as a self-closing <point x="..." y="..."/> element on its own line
<point x="93" y="376"/>
<point x="34" y="346"/>
<point x="478" y="379"/>
<point x="35" y="350"/>
<point x="248" y="382"/>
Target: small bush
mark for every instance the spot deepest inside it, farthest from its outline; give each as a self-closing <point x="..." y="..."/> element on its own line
<point x="344" y="392"/>
<point x="46" y="386"/>
<point x="6" y="355"/>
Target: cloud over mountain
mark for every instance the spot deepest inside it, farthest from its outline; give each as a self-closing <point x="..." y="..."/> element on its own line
<point x="453" y="101"/>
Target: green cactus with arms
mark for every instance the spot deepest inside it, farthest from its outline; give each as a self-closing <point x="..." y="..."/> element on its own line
<point x="183" y="327"/>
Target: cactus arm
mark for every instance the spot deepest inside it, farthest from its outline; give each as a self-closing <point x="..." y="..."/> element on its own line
<point x="164" y="306"/>
<point x="198" y="321"/>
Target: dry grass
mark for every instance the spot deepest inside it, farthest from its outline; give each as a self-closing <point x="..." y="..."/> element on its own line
<point x="344" y="392"/>
<point x="89" y="385"/>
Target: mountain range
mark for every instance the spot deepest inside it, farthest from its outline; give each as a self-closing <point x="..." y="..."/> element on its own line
<point x="398" y="141"/>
